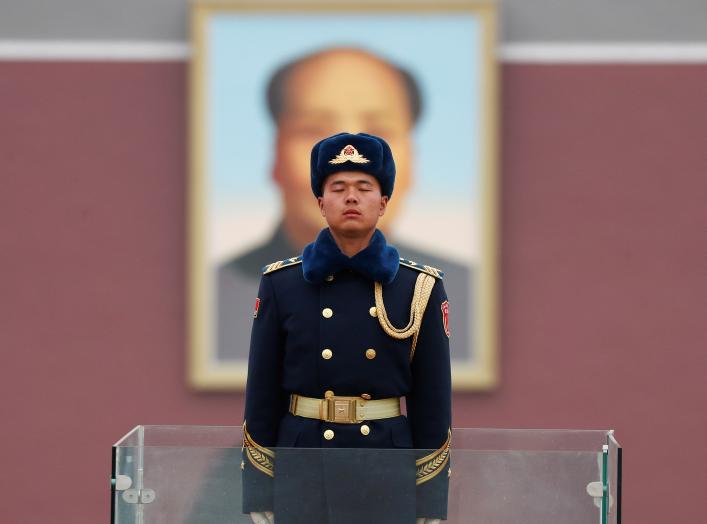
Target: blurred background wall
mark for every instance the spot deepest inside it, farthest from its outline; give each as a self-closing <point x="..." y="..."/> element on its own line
<point x="603" y="260"/>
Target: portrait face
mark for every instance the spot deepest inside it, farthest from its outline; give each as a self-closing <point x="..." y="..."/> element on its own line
<point x="351" y="203"/>
<point x="339" y="90"/>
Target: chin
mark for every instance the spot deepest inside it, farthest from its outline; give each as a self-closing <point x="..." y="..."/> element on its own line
<point x="352" y="228"/>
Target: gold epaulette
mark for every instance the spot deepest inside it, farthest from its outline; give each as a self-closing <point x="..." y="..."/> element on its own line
<point x="433" y="464"/>
<point x="262" y="458"/>
<point x="281" y="264"/>
<point x="422" y="267"/>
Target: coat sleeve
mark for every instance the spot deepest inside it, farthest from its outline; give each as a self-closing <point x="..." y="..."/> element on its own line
<point x="429" y="407"/>
<point x="265" y="402"/>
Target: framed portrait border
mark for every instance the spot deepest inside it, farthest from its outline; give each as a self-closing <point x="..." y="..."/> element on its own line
<point x="203" y="372"/>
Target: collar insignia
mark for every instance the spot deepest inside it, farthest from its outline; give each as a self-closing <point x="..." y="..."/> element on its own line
<point x="349" y="153"/>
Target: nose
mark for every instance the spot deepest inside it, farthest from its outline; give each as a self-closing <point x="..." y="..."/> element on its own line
<point x="351" y="197"/>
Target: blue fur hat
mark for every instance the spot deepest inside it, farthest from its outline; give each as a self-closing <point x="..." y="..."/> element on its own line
<point x="347" y="152"/>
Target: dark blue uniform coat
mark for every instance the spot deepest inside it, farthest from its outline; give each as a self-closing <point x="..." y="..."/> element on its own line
<point x="289" y="334"/>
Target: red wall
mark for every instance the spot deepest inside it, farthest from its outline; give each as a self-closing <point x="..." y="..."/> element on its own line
<point x="603" y="263"/>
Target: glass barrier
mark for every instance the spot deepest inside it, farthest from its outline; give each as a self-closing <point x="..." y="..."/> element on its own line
<point x="193" y="475"/>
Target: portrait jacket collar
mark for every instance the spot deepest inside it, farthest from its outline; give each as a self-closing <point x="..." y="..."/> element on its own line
<point x="378" y="261"/>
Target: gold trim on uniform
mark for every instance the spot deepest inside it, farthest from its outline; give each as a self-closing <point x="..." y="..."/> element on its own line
<point x="259" y="456"/>
<point x="421" y="295"/>
<point x="437" y="273"/>
<point x="433" y="271"/>
<point x="433" y="464"/>
<point x="274" y="266"/>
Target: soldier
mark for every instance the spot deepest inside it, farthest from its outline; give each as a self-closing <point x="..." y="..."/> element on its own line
<point x="340" y="334"/>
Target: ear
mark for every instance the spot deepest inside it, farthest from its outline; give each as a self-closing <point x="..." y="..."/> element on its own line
<point x="320" y="201"/>
<point x="384" y="205"/>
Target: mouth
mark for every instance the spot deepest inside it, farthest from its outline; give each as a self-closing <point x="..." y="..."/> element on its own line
<point x="352" y="213"/>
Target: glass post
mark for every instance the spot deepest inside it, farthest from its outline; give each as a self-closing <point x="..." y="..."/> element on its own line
<point x="604" y="483"/>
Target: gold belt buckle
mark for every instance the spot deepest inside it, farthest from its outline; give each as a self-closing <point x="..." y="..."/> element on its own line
<point x="342" y="410"/>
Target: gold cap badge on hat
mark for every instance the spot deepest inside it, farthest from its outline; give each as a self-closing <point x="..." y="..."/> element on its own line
<point x="349" y="154"/>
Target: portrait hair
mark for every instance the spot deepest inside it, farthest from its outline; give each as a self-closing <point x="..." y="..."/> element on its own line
<point x="276" y="92"/>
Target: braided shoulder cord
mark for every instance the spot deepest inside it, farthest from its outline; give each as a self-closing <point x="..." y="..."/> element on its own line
<point x="421" y="295"/>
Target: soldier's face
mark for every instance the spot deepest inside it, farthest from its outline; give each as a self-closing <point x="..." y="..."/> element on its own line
<point x="339" y="91"/>
<point x="351" y="203"/>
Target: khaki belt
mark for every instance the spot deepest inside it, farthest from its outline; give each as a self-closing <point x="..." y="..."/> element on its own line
<point x="344" y="410"/>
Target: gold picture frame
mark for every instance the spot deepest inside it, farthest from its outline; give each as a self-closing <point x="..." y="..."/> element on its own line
<point x="207" y="369"/>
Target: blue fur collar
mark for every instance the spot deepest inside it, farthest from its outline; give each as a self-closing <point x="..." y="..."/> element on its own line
<point x="378" y="261"/>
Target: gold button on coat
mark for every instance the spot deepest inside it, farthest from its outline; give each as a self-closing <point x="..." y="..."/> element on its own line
<point x="328" y="393"/>
<point x="328" y="434"/>
<point x="370" y="354"/>
<point x="327" y="354"/>
<point x="327" y="312"/>
<point x="373" y="311"/>
<point x="365" y="430"/>
<point x="329" y="278"/>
